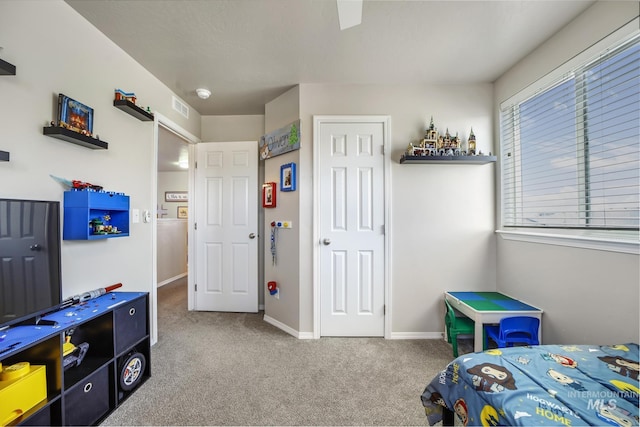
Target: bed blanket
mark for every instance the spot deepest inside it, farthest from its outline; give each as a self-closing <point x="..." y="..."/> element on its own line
<point x="563" y="385"/>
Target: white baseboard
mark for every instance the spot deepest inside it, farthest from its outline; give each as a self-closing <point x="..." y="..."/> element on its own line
<point x="288" y="329"/>
<point x="416" y="336"/>
<point x="172" y="279"/>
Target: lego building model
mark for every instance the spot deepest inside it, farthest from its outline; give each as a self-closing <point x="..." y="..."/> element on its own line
<point x="434" y="144"/>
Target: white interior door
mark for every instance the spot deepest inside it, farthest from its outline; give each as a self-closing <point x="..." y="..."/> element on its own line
<point x="352" y="214"/>
<point x="226" y="203"/>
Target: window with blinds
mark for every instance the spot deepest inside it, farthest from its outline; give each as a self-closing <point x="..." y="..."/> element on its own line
<point x="570" y="153"/>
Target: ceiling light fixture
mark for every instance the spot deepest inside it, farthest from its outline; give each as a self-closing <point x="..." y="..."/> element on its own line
<point x="203" y="93"/>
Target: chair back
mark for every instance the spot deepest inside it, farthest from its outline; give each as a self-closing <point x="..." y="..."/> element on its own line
<point x="520" y="329"/>
<point x="450" y="315"/>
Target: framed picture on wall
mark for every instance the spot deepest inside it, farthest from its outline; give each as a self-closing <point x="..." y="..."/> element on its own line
<point x="288" y="177"/>
<point x="269" y="195"/>
<point x="176" y="196"/>
<point x="183" y="212"/>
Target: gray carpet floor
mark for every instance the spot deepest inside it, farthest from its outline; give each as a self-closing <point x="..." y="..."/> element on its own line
<point x="212" y="368"/>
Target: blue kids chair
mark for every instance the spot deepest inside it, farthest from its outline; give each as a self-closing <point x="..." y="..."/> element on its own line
<point x="514" y="330"/>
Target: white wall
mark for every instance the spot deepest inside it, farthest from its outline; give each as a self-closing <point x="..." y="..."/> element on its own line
<point x="441" y="232"/>
<point x="232" y="128"/>
<point x="56" y="51"/>
<point x="171" y="181"/>
<point x="589" y="296"/>
<point x="285" y="310"/>
<point x="442" y="215"/>
<point x="172" y="250"/>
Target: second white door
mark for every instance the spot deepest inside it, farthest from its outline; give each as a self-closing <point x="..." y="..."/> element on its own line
<point x="226" y="207"/>
<point x="352" y="215"/>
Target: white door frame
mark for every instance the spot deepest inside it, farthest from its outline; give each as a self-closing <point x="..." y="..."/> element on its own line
<point x="318" y="121"/>
<point x="160" y="120"/>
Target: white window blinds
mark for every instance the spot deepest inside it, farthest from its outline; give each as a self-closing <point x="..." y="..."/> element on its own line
<point x="571" y="153"/>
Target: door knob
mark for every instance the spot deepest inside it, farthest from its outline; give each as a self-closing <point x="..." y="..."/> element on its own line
<point x="252" y="236"/>
<point x="326" y="242"/>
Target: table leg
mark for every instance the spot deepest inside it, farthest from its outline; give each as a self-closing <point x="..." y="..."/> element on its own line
<point x="478" y="343"/>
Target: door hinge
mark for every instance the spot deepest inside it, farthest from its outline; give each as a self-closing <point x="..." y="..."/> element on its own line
<point x="382" y="149"/>
<point x="195" y="285"/>
<point x="384" y="230"/>
<point x="384" y="309"/>
<point x="195" y="225"/>
<point x="195" y="165"/>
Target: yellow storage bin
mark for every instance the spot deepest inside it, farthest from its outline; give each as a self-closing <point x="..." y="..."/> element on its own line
<point x="22" y="386"/>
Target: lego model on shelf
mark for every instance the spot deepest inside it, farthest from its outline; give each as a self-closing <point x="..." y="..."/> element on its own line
<point x="92" y="215"/>
<point x="74" y="123"/>
<point x="438" y="148"/>
<point x="126" y="101"/>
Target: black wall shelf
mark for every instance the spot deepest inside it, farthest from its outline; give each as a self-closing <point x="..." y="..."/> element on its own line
<point x="131" y="108"/>
<point x="4" y="156"/>
<point x="451" y="160"/>
<point x="74" y="137"/>
<point x="7" y="69"/>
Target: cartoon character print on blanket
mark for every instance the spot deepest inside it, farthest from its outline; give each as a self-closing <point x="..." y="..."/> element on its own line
<point x="560" y="385"/>
<point x="490" y="377"/>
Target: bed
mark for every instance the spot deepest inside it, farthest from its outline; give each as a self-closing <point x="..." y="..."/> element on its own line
<point x="563" y="385"/>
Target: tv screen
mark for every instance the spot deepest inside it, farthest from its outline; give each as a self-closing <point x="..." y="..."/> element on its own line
<point x="30" y="267"/>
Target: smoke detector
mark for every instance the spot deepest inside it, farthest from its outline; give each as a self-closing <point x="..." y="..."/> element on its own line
<point x="203" y="93"/>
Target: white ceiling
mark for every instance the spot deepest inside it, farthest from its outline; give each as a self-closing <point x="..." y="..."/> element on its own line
<point x="248" y="52"/>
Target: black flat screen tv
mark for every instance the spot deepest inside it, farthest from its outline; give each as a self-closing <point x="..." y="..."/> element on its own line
<point x="30" y="259"/>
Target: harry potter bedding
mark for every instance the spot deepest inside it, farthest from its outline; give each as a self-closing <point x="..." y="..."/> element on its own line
<point x="564" y="385"/>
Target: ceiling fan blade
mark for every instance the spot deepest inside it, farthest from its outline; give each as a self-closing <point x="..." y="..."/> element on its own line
<point x="349" y="13"/>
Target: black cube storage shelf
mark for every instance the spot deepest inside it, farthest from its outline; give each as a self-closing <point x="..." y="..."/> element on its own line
<point x="115" y="327"/>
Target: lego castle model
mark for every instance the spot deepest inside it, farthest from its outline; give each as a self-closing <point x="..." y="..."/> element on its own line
<point x="434" y="144"/>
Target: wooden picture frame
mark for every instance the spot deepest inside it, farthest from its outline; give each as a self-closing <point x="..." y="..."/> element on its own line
<point x="269" y="195"/>
<point x="183" y="212"/>
<point x="288" y="177"/>
<point x="176" y="196"/>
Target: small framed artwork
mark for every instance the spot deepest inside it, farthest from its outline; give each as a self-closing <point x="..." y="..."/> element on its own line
<point x="288" y="177"/>
<point x="183" y="211"/>
<point x="269" y="195"/>
<point x="176" y="196"/>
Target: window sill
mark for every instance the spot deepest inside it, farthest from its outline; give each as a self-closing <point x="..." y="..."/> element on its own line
<point x="584" y="242"/>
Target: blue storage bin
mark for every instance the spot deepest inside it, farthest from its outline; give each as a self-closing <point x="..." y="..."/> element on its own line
<point x="84" y="208"/>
